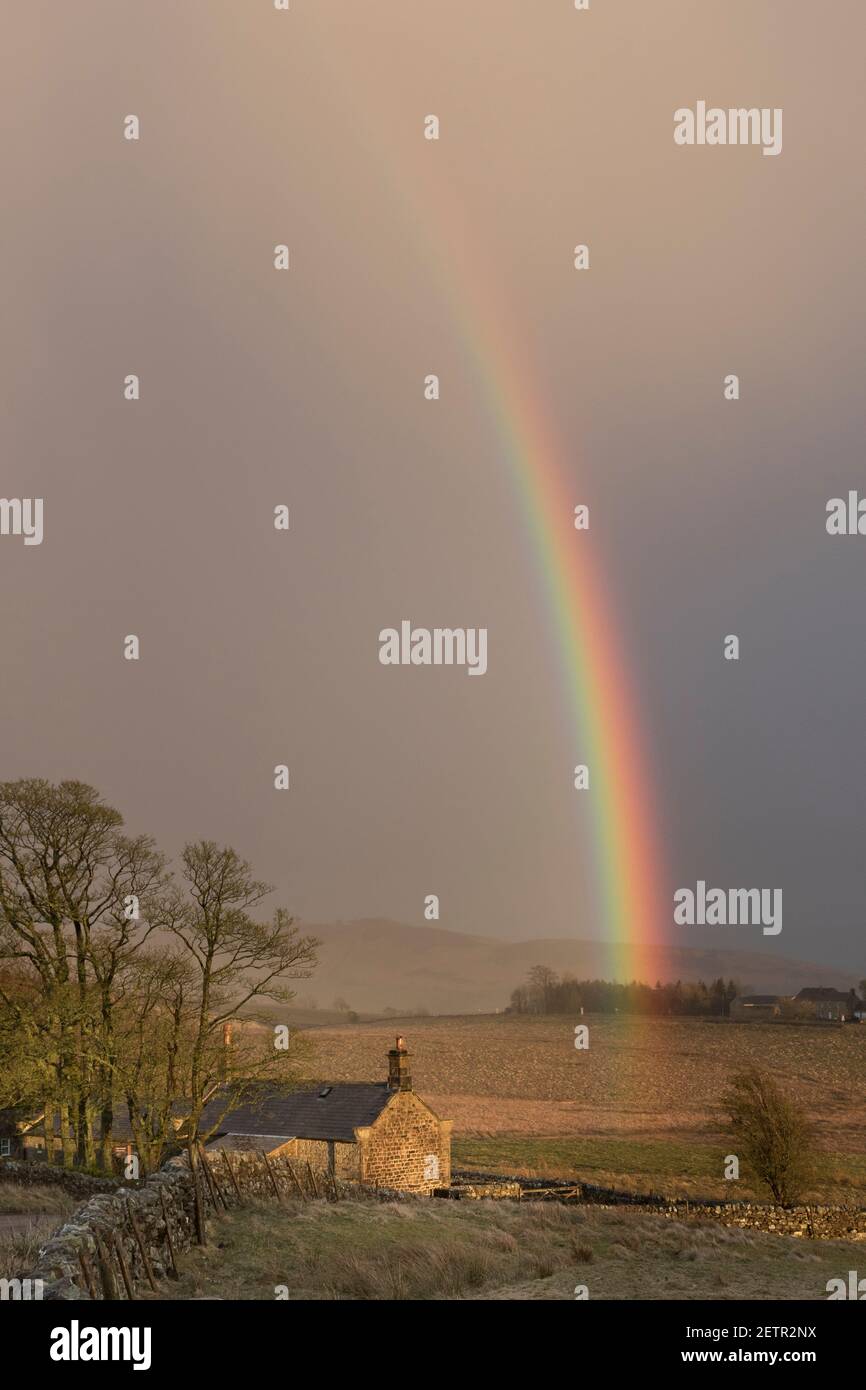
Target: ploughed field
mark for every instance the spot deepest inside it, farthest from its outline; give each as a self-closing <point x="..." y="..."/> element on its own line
<point x="640" y="1108"/>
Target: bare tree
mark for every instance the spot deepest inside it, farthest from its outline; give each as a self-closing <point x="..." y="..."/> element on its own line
<point x="238" y="963"/>
<point x="541" y="984"/>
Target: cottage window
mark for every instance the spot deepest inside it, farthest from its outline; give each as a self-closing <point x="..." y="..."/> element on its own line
<point x="5" y="1148"/>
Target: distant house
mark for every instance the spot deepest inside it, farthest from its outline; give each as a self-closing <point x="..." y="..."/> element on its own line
<point x="27" y="1140"/>
<point x="831" y="1005"/>
<point x="753" y="1007"/>
<point x="12" y="1124"/>
<point x="379" y="1133"/>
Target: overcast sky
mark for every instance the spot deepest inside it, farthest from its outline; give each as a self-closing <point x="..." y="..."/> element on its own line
<point x="258" y="388"/>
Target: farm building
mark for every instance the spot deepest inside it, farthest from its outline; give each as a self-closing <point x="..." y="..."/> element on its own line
<point x="830" y="1004"/>
<point x="817" y="1003"/>
<point x="752" y="1007"/>
<point x="375" y="1132"/>
<point x="12" y="1124"/>
<point x="22" y="1135"/>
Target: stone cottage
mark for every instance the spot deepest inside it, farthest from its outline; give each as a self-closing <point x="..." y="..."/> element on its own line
<point x="828" y="1004"/>
<point x="379" y="1133"/>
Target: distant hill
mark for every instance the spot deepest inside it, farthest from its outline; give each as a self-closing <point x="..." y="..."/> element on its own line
<point x="377" y="964"/>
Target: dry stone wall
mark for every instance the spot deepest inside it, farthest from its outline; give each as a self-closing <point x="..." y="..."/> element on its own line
<point x="127" y="1239"/>
<point x="479" y="1190"/>
<point x="811" y="1223"/>
<point x="818" y="1222"/>
<point x="116" y="1235"/>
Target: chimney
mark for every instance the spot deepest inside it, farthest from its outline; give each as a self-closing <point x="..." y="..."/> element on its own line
<point x="225" y="1060"/>
<point x="399" y="1076"/>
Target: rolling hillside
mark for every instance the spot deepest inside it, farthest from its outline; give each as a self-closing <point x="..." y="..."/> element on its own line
<point x="377" y="964"/>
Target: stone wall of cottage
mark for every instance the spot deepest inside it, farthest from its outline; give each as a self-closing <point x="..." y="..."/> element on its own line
<point x="398" y="1148"/>
<point x="317" y="1152"/>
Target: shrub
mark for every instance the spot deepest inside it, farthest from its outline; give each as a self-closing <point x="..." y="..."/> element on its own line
<point x="772" y="1132"/>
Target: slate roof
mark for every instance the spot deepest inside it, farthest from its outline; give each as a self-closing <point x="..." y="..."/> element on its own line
<point x="248" y="1143"/>
<point x="818" y="995"/>
<point x="322" y="1111"/>
<point x="763" y="1000"/>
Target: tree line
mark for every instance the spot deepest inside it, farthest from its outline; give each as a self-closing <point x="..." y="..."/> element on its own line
<point x="128" y="981"/>
<point x="545" y="992"/>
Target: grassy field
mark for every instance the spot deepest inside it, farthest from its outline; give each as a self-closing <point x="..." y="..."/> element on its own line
<point x="639" y="1109"/>
<point x="28" y="1215"/>
<point x="496" y="1250"/>
<point x="16" y="1200"/>
<point x="666" y="1167"/>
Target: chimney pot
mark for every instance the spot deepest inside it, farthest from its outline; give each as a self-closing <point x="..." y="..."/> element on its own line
<point x="399" y="1076"/>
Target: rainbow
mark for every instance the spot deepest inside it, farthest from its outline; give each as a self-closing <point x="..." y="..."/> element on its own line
<point x="598" y="696"/>
<point x="597" y="691"/>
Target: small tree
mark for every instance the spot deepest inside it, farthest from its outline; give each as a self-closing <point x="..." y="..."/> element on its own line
<point x="237" y="963"/>
<point x="542" y="982"/>
<point x="772" y="1131"/>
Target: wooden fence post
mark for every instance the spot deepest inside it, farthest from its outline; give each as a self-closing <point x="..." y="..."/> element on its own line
<point x="106" y="1273"/>
<point x="313" y="1178"/>
<point x="212" y="1179"/>
<point x="173" y="1271"/>
<point x="295" y="1179"/>
<point x="145" y="1258"/>
<point x="124" y="1267"/>
<point x="232" y="1173"/>
<point x="88" y="1274"/>
<point x="271" y="1176"/>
